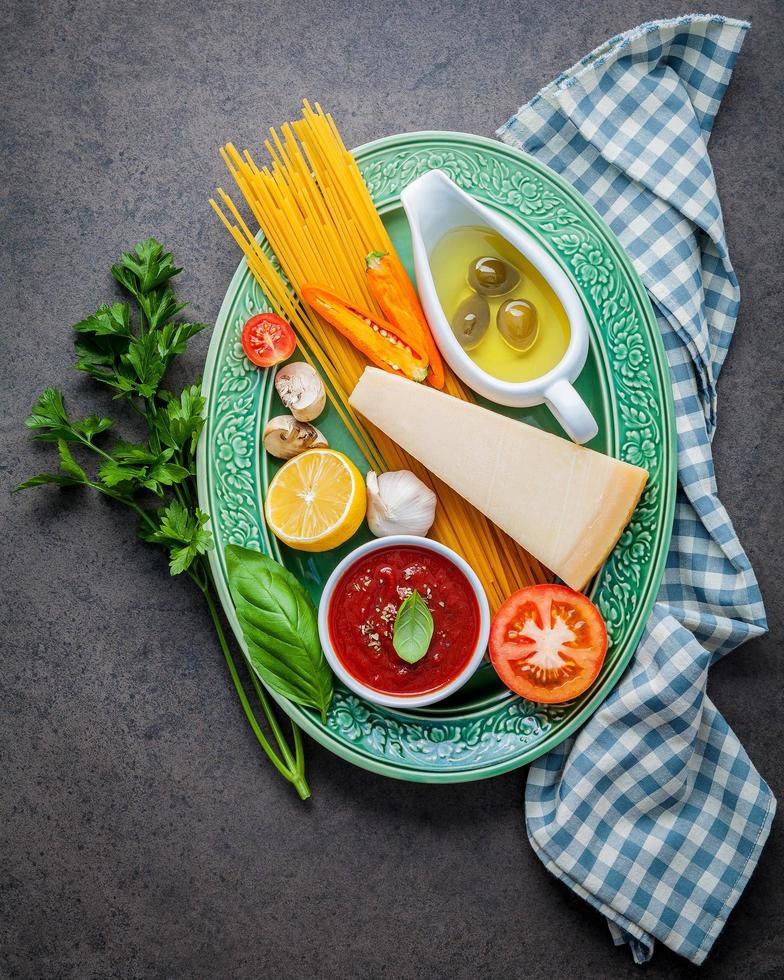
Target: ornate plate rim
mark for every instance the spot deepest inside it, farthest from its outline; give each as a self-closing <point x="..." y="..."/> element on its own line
<point x="669" y="480"/>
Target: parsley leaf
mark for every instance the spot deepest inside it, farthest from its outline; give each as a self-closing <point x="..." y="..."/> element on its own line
<point x="108" y="321"/>
<point x="92" y="426"/>
<point x="42" y="479"/>
<point x="159" y="306"/>
<point x="136" y="467"/>
<point x="102" y="340"/>
<point x="51" y="422"/>
<point x="183" y="533"/>
<point x="122" y="476"/>
<point x="148" y="366"/>
<point x="174" y="337"/>
<point x="145" y="269"/>
<point x="129" y="348"/>
<point x="50" y="418"/>
<point x="181" y="422"/>
<point x="106" y="345"/>
<point x="165" y="474"/>
<point x="68" y="464"/>
<point x="72" y="474"/>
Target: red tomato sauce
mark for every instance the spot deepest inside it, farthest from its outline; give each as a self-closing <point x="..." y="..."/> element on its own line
<point x="362" y="618"/>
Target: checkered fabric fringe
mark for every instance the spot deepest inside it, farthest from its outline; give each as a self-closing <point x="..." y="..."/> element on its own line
<point x="654" y="813"/>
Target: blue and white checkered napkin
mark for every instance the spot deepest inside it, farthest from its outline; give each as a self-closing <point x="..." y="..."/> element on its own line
<point x="654" y="813"/>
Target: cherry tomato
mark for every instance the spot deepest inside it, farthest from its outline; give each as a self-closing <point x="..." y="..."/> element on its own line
<point x="548" y="643"/>
<point x="267" y="340"/>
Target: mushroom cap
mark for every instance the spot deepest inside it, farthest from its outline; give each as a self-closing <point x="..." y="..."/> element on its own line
<point x="301" y="390"/>
<point x="285" y="437"/>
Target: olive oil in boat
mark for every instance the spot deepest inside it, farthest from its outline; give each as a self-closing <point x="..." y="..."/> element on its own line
<point x="502" y="310"/>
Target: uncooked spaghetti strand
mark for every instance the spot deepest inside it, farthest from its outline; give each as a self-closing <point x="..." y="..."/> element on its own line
<point x="319" y="219"/>
<point x="287" y="309"/>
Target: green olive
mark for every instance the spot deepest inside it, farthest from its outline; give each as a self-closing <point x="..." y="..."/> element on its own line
<point x="518" y="324"/>
<point x="470" y="322"/>
<point x="491" y="276"/>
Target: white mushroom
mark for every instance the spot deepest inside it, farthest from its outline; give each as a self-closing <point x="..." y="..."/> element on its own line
<point x="285" y="437"/>
<point x="301" y="390"/>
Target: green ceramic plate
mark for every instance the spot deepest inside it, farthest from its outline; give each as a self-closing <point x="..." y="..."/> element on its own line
<point x="483" y="730"/>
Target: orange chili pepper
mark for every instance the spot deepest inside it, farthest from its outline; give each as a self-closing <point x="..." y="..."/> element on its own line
<point x="392" y="290"/>
<point x="381" y="342"/>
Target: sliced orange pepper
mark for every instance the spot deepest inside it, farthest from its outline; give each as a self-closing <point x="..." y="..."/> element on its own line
<point x="392" y="290"/>
<point x="380" y="341"/>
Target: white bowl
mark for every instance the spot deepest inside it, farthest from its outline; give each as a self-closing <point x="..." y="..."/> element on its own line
<point x="403" y="700"/>
<point x="434" y="204"/>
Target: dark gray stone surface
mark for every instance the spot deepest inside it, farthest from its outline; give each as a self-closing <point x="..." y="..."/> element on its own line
<point x="141" y="834"/>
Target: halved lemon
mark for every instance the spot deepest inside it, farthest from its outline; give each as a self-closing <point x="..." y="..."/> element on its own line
<point x="316" y="501"/>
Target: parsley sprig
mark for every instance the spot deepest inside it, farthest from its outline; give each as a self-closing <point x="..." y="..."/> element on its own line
<point x="156" y="478"/>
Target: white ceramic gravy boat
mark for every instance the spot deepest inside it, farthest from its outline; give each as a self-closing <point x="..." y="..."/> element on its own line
<point x="434" y="204"/>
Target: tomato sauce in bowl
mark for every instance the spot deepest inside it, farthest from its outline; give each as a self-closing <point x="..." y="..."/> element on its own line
<point x="361" y="615"/>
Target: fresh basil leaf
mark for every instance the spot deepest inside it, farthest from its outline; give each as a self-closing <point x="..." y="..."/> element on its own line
<point x="413" y="629"/>
<point x="132" y="362"/>
<point x="278" y="621"/>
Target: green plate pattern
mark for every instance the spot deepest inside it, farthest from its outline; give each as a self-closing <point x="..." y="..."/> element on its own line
<point x="484" y="730"/>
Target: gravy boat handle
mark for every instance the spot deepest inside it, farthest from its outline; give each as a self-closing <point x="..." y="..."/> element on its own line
<point x="571" y="411"/>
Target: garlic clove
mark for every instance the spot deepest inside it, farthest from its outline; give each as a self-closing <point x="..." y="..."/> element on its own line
<point x="399" y="503"/>
<point x="301" y="390"/>
<point x="285" y="437"/>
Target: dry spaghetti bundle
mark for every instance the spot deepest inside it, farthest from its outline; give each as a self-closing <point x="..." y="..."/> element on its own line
<point x="320" y="222"/>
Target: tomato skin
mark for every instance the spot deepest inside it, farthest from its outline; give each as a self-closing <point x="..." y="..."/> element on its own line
<point x="548" y="643"/>
<point x="267" y="340"/>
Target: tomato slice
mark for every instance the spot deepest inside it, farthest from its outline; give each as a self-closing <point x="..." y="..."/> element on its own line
<point x="267" y="339"/>
<point x="548" y="643"/>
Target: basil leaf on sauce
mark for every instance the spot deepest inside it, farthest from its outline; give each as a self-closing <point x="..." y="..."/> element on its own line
<point x="413" y="629"/>
<point x="280" y="627"/>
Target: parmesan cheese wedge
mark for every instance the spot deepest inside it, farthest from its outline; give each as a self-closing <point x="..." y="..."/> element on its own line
<point x="565" y="504"/>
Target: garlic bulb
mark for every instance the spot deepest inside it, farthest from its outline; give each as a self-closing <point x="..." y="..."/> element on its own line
<point x="399" y="503"/>
<point x="301" y="390"/>
<point x="285" y="437"/>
